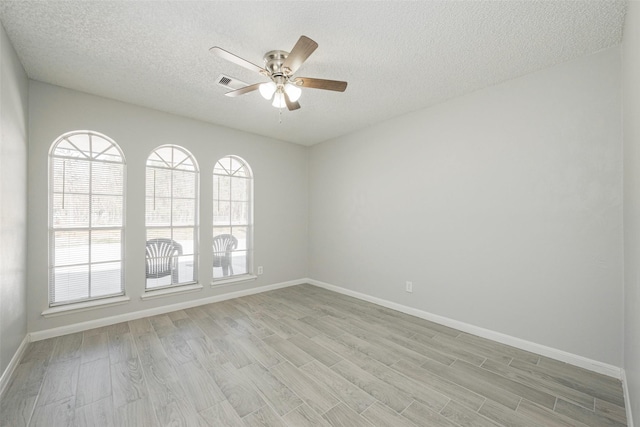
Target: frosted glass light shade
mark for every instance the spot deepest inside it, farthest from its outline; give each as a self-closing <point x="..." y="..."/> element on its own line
<point x="267" y="90"/>
<point x="293" y="91"/>
<point x="278" y="100"/>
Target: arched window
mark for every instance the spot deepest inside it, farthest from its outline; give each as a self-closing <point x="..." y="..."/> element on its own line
<point x="86" y="218"/>
<point x="171" y="217"/>
<point x="232" y="218"/>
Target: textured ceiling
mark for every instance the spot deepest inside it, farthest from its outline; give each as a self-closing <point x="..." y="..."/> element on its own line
<point x="397" y="56"/>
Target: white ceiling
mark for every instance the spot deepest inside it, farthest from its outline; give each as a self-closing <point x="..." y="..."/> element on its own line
<point x="397" y="56"/>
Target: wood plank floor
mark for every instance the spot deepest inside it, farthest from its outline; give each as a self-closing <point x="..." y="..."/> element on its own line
<point x="299" y="356"/>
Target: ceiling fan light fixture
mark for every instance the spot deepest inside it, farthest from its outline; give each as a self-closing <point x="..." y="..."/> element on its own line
<point x="278" y="100"/>
<point x="293" y="91"/>
<point x="267" y="90"/>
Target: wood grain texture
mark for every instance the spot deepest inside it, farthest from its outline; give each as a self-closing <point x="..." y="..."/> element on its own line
<point x="94" y="346"/>
<point x="279" y="396"/>
<point x="162" y="381"/>
<point x="179" y="412"/>
<point x="425" y="345"/>
<point x="610" y="410"/>
<point x="342" y="416"/>
<point x="221" y="414"/>
<point x="585" y="416"/>
<point x="314" y="350"/>
<point x="264" y="417"/>
<point x="474" y="383"/>
<point x="382" y="391"/>
<point x="536" y="396"/>
<point x="140" y="326"/>
<point x="544" y="417"/>
<point x="137" y="413"/>
<point x="463" y="416"/>
<point x="16" y="410"/>
<point x="96" y="414"/>
<point x="422" y="416"/>
<point x="18" y="401"/>
<point x="94" y="382"/>
<point x="127" y="382"/>
<point x="121" y="347"/>
<point x="67" y="347"/>
<point x="233" y="351"/>
<point x="300" y="356"/>
<point x="59" y="413"/>
<point x="39" y="351"/>
<point x="60" y="382"/>
<point x="288" y="350"/>
<point x="304" y="416"/>
<point x="552" y="388"/>
<point x="381" y="415"/>
<point x="199" y="387"/>
<point x="313" y="394"/>
<point x="237" y="389"/>
<point x="448" y="388"/>
<point x="260" y="351"/>
<point x="177" y="349"/>
<point x="350" y="394"/>
<point x="503" y="416"/>
<point x="432" y="399"/>
<point x="597" y="385"/>
<point x="149" y="347"/>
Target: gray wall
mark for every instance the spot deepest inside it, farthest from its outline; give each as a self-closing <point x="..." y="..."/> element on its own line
<point x="280" y="185"/>
<point x="504" y="207"/>
<point x="13" y="202"/>
<point x="631" y="115"/>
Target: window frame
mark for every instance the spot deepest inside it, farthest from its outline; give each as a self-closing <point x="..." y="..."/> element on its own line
<point x="52" y="229"/>
<point x="250" y="226"/>
<point x="175" y="287"/>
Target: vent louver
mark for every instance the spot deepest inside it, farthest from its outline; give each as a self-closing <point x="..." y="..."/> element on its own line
<point x="230" y="82"/>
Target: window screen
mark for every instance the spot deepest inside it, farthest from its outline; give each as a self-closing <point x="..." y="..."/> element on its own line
<point x="171" y="218"/>
<point x="232" y="218"/>
<point x="86" y="218"/>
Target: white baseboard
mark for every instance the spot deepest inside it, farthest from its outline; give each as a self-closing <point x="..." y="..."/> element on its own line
<point x="563" y="356"/>
<point x="112" y="320"/>
<point x="573" y="359"/>
<point x="5" y="380"/>
<point x="627" y="399"/>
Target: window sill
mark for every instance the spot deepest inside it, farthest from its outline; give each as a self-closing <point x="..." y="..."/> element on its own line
<point x="233" y="280"/>
<point x="84" y="306"/>
<point x="167" y="292"/>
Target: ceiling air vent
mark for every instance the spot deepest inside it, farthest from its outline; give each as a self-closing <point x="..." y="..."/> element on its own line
<point x="230" y="82"/>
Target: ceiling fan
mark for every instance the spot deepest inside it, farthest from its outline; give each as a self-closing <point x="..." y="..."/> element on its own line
<point x="283" y="89"/>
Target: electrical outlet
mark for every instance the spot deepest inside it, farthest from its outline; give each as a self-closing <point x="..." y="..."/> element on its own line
<point x="409" y="287"/>
<point x="260" y="270"/>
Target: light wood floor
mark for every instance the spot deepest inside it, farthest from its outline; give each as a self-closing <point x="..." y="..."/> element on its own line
<point x="298" y="356"/>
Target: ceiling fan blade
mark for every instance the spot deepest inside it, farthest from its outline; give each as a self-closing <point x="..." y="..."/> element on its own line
<point x="221" y="53"/>
<point x="338" y="86"/>
<point x="291" y="105"/>
<point x="243" y="90"/>
<point x="300" y="52"/>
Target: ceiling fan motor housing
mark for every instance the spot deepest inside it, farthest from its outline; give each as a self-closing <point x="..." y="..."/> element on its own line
<point x="273" y="61"/>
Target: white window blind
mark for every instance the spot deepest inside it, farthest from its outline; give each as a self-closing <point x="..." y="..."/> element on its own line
<point x="232" y="218"/>
<point x="86" y="218"/>
<point x="171" y="217"/>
